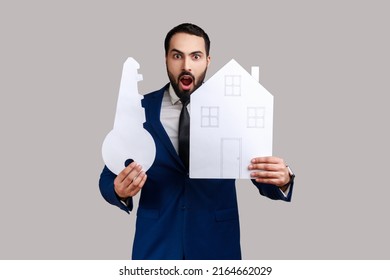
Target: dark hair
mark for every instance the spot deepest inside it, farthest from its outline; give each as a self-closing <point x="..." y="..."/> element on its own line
<point x="188" y="28"/>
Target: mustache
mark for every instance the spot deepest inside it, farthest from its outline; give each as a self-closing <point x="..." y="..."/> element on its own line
<point x="185" y="73"/>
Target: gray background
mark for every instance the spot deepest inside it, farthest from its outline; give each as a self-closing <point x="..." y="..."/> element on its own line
<point x="325" y="62"/>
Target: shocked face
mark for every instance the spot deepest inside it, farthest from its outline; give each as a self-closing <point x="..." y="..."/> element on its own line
<point x="186" y="63"/>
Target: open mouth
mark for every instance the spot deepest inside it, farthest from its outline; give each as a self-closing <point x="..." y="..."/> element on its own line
<point x="186" y="82"/>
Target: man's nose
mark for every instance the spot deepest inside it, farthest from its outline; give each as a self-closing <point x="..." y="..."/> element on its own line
<point x="187" y="64"/>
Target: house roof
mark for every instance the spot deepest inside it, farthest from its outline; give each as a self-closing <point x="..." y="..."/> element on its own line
<point x="216" y="83"/>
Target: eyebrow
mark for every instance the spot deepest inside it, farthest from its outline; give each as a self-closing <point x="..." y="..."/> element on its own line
<point x="192" y="53"/>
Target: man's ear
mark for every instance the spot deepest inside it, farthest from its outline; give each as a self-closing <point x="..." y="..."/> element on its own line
<point x="208" y="60"/>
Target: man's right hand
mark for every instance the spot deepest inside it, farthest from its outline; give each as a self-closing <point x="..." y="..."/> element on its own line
<point x="130" y="181"/>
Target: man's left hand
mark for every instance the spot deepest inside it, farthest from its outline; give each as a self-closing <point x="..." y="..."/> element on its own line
<point x="270" y="170"/>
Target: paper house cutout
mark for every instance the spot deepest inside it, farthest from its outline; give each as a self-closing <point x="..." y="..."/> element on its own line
<point x="128" y="139"/>
<point x="231" y="123"/>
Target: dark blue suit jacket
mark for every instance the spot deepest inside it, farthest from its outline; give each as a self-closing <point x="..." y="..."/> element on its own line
<point x="179" y="217"/>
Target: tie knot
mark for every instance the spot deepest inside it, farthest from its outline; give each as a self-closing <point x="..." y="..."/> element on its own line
<point x="185" y="99"/>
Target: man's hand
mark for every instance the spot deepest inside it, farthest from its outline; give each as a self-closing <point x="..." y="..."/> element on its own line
<point x="130" y="181"/>
<point x="270" y="170"/>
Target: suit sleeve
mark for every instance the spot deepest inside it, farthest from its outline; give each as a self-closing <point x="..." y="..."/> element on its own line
<point x="273" y="192"/>
<point x="106" y="186"/>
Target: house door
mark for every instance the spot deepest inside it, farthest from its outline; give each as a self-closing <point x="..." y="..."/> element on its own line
<point x="231" y="157"/>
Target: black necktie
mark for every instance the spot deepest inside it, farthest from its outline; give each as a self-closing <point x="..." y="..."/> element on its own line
<point x="184" y="133"/>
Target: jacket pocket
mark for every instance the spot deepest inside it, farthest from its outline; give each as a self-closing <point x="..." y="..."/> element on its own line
<point x="148" y="213"/>
<point x="226" y="214"/>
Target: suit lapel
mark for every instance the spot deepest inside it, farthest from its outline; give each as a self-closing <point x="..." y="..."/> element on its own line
<point x="152" y="104"/>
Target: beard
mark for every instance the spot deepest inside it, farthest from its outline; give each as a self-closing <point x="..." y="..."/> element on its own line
<point x="186" y="93"/>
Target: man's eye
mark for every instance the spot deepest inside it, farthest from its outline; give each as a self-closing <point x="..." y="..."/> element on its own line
<point x="196" y="56"/>
<point x="176" y="56"/>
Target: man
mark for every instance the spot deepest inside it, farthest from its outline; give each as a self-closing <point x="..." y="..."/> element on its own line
<point x="179" y="217"/>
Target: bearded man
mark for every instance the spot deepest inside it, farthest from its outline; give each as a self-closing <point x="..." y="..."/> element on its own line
<point x="179" y="217"/>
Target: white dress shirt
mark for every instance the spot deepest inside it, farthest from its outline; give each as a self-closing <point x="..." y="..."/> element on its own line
<point x="170" y="113"/>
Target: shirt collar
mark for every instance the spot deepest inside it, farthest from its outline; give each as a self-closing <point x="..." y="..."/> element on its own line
<point x="172" y="94"/>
